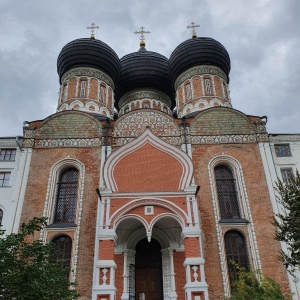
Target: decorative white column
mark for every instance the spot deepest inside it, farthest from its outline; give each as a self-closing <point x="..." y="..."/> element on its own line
<point x="166" y="272"/>
<point x="195" y="280"/>
<point x="173" y="295"/>
<point x="77" y="87"/>
<point x="125" y="295"/>
<point x="88" y="87"/>
<point x="212" y="78"/>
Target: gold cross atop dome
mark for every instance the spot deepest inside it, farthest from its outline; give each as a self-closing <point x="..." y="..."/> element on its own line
<point x="142" y="37"/>
<point x="93" y="27"/>
<point x="193" y="26"/>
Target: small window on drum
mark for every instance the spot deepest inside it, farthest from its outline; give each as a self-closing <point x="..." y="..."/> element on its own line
<point x="65" y="92"/>
<point x="188" y="91"/>
<point x="225" y="90"/>
<point x="82" y="88"/>
<point x="102" y="93"/>
<point x="207" y="86"/>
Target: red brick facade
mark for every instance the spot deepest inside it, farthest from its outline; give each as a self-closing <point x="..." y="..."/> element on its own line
<point x="149" y="175"/>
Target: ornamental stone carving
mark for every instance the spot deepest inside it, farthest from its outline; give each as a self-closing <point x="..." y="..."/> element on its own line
<point x="135" y="123"/>
<point x="145" y="94"/>
<point x="228" y="139"/>
<point x="199" y="71"/>
<point x="89" y="72"/>
<point x="65" y="143"/>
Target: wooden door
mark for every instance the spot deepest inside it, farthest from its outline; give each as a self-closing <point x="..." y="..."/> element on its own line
<point x="148" y="271"/>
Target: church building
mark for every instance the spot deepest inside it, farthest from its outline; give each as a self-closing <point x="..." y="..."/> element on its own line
<point x="151" y="181"/>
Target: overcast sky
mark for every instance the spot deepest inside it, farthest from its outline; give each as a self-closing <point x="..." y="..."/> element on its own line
<point x="261" y="36"/>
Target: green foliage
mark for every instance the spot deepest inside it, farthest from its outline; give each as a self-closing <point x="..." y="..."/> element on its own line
<point x="30" y="270"/>
<point x="287" y="223"/>
<point x="251" y="285"/>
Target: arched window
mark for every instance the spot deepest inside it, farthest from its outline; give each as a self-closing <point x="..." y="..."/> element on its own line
<point x="236" y="251"/>
<point x="188" y="91"/>
<point x="1" y="216"/>
<point x="102" y="93"/>
<point x="146" y="104"/>
<point x="207" y="84"/>
<point x="66" y="196"/>
<point x="82" y="88"/>
<point x="225" y="90"/>
<point x="65" y="93"/>
<point x="227" y="193"/>
<point x="63" y="248"/>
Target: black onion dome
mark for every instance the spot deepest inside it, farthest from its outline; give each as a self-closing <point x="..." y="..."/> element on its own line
<point x="88" y="52"/>
<point x="144" y="69"/>
<point x="199" y="51"/>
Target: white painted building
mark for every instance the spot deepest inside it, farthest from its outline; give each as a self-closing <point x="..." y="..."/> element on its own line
<point x="14" y="168"/>
<point x="281" y="158"/>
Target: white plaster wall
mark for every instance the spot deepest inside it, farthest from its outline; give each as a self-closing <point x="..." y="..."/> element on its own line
<point x="272" y="166"/>
<point x="12" y="196"/>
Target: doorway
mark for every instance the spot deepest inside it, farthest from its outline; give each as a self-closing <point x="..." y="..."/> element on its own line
<point x="148" y="271"/>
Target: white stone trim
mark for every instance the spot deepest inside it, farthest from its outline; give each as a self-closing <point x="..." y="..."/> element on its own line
<point x="76" y="102"/>
<point x="92" y="103"/>
<point x="120" y="213"/>
<point x="199" y="70"/>
<point x="245" y="210"/>
<point x="148" y="137"/>
<point x="50" y="202"/>
<point x="87" y="72"/>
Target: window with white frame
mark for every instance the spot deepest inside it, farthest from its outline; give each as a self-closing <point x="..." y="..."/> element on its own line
<point x="282" y="150"/>
<point x="65" y="95"/>
<point x="7" y="154"/>
<point x="227" y="192"/>
<point x="236" y="252"/>
<point x="4" y="178"/>
<point x="286" y="174"/>
<point x="102" y="93"/>
<point x="207" y="84"/>
<point x="230" y="198"/>
<point x="63" y="248"/>
<point x="188" y="91"/>
<point x="225" y="90"/>
<point x="66" y="196"/>
<point x="82" y="88"/>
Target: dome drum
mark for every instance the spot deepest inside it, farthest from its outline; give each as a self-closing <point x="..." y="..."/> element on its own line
<point x="199" y="88"/>
<point x="145" y="98"/>
<point x="89" y="73"/>
<point x="86" y="89"/>
<point x="202" y="70"/>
